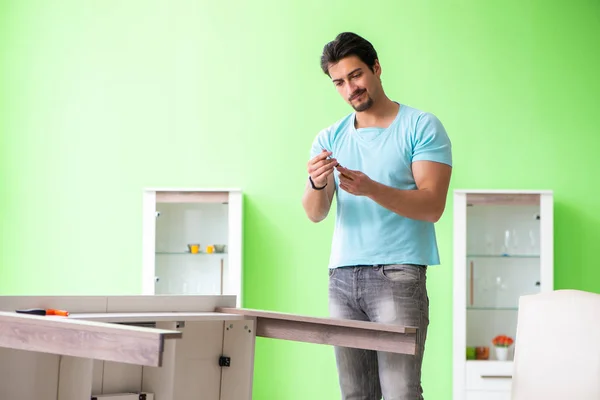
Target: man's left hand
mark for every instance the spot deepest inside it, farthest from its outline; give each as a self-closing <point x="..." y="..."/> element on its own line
<point x="355" y="182"/>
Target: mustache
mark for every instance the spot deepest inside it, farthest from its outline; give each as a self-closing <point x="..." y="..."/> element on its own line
<point x="357" y="93"/>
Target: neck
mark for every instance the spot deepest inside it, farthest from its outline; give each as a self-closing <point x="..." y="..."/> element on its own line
<point x="381" y="114"/>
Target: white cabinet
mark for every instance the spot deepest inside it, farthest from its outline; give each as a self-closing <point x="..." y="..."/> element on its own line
<point x="483" y="395"/>
<point x="192" y="242"/>
<point x="503" y="249"/>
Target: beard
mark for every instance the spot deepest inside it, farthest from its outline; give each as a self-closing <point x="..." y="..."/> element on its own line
<point x="365" y="105"/>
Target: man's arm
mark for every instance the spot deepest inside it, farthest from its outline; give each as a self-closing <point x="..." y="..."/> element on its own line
<point x="317" y="203"/>
<point x="427" y="202"/>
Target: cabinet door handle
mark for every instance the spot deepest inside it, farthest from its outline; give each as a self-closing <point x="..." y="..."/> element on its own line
<point x="471" y="284"/>
<point x="496" y="376"/>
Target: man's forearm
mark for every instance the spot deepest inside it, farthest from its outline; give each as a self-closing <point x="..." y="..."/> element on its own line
<point x="417" y="204"/>
<point x="316" y="203"/>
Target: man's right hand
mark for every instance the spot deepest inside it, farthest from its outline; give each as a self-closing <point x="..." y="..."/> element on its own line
<point x="320" y="167"/>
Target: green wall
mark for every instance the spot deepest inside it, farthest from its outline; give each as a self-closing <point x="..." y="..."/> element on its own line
<point x="102" y="99"/>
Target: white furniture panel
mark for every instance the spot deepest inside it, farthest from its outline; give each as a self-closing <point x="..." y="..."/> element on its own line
<point x="483" y="395"/>
<point x="558" y="356"/>
<point x="488" y="375"/>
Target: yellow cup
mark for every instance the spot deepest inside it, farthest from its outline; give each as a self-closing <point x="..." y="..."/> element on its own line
<point x="194" y="248"/>
<point x="210" y="249"/>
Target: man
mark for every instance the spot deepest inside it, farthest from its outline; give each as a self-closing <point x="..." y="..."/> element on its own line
<point x="389" y="166"/>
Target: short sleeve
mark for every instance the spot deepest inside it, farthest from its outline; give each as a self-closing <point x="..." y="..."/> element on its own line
<point x="431" y="141"/>
<point x="321" y="141"/>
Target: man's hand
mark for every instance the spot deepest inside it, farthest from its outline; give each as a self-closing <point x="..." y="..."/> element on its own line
<point x="317" y="203"/>
<point x="355" y="182"/>
<point x="320" y="167"/>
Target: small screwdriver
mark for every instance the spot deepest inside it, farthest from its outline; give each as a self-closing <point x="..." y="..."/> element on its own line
<point x="44" y="311"/>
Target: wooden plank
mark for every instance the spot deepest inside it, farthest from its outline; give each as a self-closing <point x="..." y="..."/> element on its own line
<point x="503" y="191"/>
<point x="503" y="199"/>
<point x="345" y="323"/>
<point x="191" y="197"/>
<point x="360" y="338"/>
<point x="86" y="339"/>
<point x="121" y="377"/>
<point x="191" y="369"/>
<point x="71" y="303"/>
<point x="75" y="378"/>
<point x="239" y="341"/>
<point x="97" y="375"/>
<point x="167" y="303"/>
<point x="197" y="372"/>
<point x="17" y="367"/>
<point x="120" y="304"/>
<point x="161" y="381"/>
<point x="157" y="316"/>
<point x="232" y="282"/>
<point x="330" y="331"/>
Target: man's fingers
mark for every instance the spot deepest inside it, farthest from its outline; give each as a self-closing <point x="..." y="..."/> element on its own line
<point x="348" y="173"/>
<point x="321" y="156"/>
<point x="322" y="165"/>
<point x="318" y="162"/>
<point x="345" y="171"/>
<point x="343" y="175"/>
<point x="324" y="171"/>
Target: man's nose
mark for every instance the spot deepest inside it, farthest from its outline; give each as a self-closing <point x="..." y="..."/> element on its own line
<point x="351" y="89"/>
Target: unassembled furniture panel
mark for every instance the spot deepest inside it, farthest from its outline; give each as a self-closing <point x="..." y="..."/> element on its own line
<point x="169" y="347"/>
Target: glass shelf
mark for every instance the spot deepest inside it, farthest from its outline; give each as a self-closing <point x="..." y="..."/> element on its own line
<point x="188" y="253"/>
<point x="503" y="256"/>
<point x="507" y="362"/>
<point x="493" y="308"/>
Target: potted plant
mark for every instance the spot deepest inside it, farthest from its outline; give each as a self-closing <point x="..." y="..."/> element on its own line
<point x="501" y="344"/>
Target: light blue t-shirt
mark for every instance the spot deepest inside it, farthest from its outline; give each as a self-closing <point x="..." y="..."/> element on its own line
<point x="365" y="232"/>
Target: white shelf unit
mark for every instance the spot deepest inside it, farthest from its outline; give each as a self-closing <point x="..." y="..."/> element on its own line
<point x="174" y="218"/>
<point x="503" y="249"/>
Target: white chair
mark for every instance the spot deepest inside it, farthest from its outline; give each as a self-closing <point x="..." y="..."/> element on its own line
<point x="557" y="347"/>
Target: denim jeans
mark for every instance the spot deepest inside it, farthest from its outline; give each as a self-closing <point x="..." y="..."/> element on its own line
<point x="391" y="294"/>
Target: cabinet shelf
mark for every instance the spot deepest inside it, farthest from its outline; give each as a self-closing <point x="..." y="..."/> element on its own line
<point x="497" y="362"/>
<point x="492" y="308"/>
<point x="187" y="253"/>
<point x="503" y="256"/>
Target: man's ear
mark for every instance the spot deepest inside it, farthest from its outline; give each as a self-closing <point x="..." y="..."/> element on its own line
<point x="377" y="68"/>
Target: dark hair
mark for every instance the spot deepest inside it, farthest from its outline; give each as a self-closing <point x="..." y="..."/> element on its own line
<point x="348" y="44"/>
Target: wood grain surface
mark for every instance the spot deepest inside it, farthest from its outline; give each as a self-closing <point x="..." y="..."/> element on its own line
<point x="319" y="320"/>
<point x="330" y="331"/>
<point x="87" y="339"/>
<point x="155" y="316"/>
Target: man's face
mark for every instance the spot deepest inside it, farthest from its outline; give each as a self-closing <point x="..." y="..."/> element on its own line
<point x="355" y="82"/>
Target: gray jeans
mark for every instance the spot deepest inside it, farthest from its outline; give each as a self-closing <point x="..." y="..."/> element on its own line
<point x="392" y="294"/>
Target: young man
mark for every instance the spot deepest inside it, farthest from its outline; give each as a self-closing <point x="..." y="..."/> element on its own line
<point x="389" y="166"/>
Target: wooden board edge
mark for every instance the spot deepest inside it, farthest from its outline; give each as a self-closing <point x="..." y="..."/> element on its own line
<point x="335" y="335"/>
<point x="375" y="326"/>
